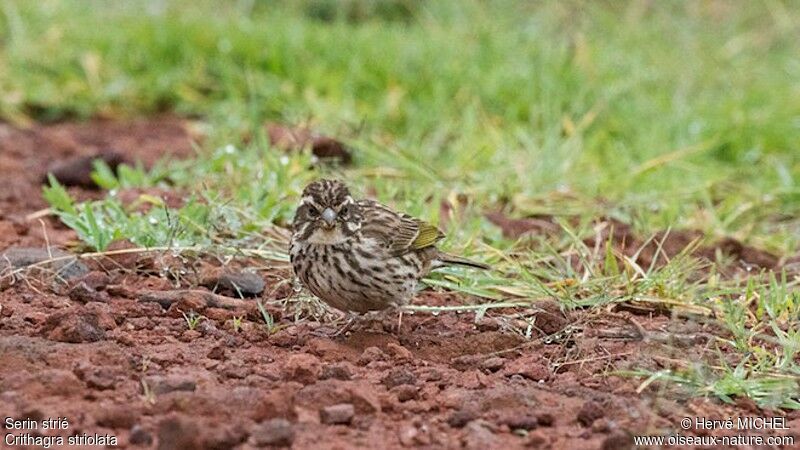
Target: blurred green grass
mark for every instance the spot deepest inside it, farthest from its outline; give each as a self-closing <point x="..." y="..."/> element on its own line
<point x="683" y="114"/>
<point x="663" y="114"/>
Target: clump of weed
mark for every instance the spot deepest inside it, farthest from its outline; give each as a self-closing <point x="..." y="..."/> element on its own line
<point x="192" y="319"/>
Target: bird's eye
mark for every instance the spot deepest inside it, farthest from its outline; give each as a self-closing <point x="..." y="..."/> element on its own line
<point x="345" y="209"/>
<point x="312" y="212"/>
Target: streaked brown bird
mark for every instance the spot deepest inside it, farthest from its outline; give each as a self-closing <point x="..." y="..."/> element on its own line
<point x="359" y="255"/>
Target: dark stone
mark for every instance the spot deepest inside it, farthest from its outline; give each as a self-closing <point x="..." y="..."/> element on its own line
<point x="159" y="384"/>
<point x="140" y="436"/>
<point x="77" y="171"/>
<point x="74" y="327"/>
<point x="546" y="419"/>
<point x="275" y="432"/>
<point x="178" y="432"/>
<point x="405" y="392"/>
<point x="337" y="414"/>
<point x="460" y="418"/>
<point x="297" y="138"/>
<point x="493" y="364"/>
<point x="63" y="266"/>
<point x="399" y="376"/>
<point x="117" y="417"/>
<point x="336" y="372"/>
<point x="521" y="422"/>
<point x="618" y="440"/>
<point x="478" y="435"/>
<point x="589" y="412"/>
<point x="83" y="293"/>
<point x="235" y="283"/>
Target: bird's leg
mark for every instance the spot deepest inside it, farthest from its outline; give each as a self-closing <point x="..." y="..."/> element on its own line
<point x="351" y="319"/>
<point x="370" y="319"/>
<point x="386" y="315"/>
<point x="377" y="320"/>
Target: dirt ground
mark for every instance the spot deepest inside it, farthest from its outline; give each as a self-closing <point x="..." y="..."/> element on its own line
<point x="110" y="351"/>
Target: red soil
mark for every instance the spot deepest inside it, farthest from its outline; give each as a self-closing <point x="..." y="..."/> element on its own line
<point x="105" y="354"/>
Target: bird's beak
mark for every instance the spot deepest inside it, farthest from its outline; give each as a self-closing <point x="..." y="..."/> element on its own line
<point x="329" y="216"/>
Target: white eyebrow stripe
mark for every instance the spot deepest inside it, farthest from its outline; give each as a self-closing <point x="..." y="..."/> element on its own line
<point x="309" y="200"/>
<point x="347" y="201"/>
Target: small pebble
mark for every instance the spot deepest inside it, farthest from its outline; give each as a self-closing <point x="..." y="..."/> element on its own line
<point x="337" y="414"/>
<point x="493" y="364"/>
<point x="275" y="432"/>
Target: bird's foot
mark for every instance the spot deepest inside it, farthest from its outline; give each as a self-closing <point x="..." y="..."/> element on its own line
<point x="383" y="320"/>
<point x="389" y="320"/>
<point x="351" y="320"/>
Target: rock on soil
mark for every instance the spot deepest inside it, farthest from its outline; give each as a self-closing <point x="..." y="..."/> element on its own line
<point x="233" y="283"/>
<point x="618" y="440"/>
<point x="478" y="436"/>
<point x="589" y="412"/>
<point x="140" y="436"/>
<point x="77" y="171"/>
<point x="100" y="378"/>
<point x="83" y="293"/>
<point x="74" y="326"/>
<point x="519" y="420"/>
<point x="414" y="436"/>
<point x="178" y="432"/>
<point x="95" y="280"/>
<point x="398" y="352"/>
<point x="550" y="319"/>
<point x="362" y="395"/>
<point x="399" y="376"/>
<point x="546" y="419"/>
<point x="371" y="354"/>
<point x="298" y="138"/>
<point x="118" y="416"/>
<point x="493" y="364"/>
<point x="163" y="384"/>
<point x="405" y="392"/>
<point x="460" y="418"/>
<point x="303" y="368"/>
<point x="336" y="371"/>
<point x="277" y="403"/>
<point x="337" y="414"/>
<point x="530" y="367"/>
<point x="275" y="432"/>
<point x="66" y="268"/>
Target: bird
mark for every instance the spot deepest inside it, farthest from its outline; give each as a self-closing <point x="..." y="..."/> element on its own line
<point x="359" y="256"/>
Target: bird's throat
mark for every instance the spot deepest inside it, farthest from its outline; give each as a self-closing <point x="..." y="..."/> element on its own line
<point x="324" y="236"/>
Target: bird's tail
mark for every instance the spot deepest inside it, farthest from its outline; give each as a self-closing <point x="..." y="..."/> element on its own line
<point x="446" y="259"/>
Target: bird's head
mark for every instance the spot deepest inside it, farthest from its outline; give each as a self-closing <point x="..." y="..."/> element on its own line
<point x="327" y="213"/>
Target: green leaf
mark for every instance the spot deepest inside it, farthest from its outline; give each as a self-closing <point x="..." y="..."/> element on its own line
<point x="103" y="176"/>
<point x="58" y="197"/>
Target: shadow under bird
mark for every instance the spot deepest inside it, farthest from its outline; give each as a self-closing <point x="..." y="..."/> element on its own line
<point x="359" y="255"/>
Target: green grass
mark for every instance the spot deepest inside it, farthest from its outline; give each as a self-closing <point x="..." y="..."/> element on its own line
<point x="682" y="115"/>
<point x="192" y="319"/>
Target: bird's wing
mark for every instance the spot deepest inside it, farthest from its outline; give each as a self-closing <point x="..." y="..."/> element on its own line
<point x="399" y="232"/>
